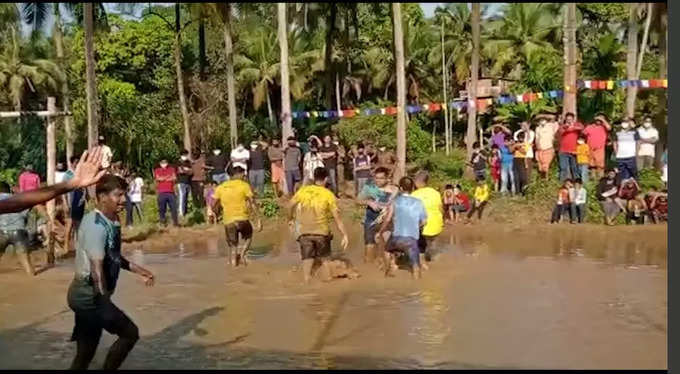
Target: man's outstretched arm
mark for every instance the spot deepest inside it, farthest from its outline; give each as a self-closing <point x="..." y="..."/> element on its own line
<point x="87" y="173"/>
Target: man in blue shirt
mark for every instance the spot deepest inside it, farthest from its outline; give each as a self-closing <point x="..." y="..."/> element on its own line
<point x="13" y="232"/>
<point x="97" y="266"/>
<point x="408" y="215"/>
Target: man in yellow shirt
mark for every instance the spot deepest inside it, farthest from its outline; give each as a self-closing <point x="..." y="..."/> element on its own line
<point x="310" y="212"/>
<point x="236" y="199"/>
<point x="481" y="196"/>
<point x="432" y="200"/>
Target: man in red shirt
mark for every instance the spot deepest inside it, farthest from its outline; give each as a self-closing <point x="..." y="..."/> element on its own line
<point x="29" y="180"/>
<point x="596" y="136"/>
<point x="568" y="133"/>
<point x="165" y="177"/>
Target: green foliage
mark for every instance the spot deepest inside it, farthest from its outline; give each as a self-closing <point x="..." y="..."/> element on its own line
<point x="9" y="176"/>
<point x="650" y="178"/>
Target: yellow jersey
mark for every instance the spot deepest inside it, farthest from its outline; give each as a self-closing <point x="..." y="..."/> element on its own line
<point x="233" y="196"/>
<point x="432" y="200"/>
<point x="314" y="210"/>
<point x="482" y="193"/>
<point x="582" y="154"/>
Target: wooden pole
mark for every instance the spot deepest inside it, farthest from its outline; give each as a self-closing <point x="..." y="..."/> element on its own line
<point x="472" y="91"/>
<point x="51" y="165"/>
<point x="401" y="91"/>
<point x="447" y="130"/>
<point x="286" y="119"/>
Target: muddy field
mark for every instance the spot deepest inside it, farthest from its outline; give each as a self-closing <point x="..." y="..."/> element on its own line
<point x="495" y="297"/>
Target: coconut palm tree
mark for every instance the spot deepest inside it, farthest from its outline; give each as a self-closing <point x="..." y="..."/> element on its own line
<point x="19" y="73"/>
<point x="475" y="20"/>
<point x="224" y="11"/>
<point x="570" y="55"/>
<point x="401" y="89"/>
<point x="286" y="119"/>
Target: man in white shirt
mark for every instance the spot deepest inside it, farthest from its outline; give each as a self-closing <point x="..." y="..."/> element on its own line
<point x="625" y="148"/>
<point x="649" y="135"/>
<point x="239" y="157"/>
<point x="107" y="154"/>
<point x="529" y="137"/>
<point x="545" y="140"/>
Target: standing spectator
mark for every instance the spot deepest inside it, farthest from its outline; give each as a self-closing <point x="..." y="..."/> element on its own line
<point x="198" y="178"/>
<point x="495" y="164"/>
<point x="275" y="155"/>
<point x="568" y="132"/>
<point x="256" y="174"/>
<point x="217" y="164"/>
<point x="13" y="232"/>
<point x="342" y="160"/>
<point x="519" y="163"/>
<point x="481" y="195"/>
<point x="648" y="135"/>
<point x="28" y="180"/>
<point x="135" y="193"/>
<point x="596" y="138"/>
<point x="291" y="165"/>
<point x="239" y="157"/>
<point x="478" y="162"/>
<point x="545" y="140"/>
<point x="625" y="148"/>
<point x="165" y="177"/>
<point x="329" y="155"/>
<point x="578" y="196"/>
<point x="529" y="138"/>
<point x="507" y="174"/>
<point x="499" y="134"/>
<point x="183" y="182"/>
<point x="312" y="160"/>
<point x="362" y="168"/>
<point x="386" y="159"/>
<point x="583" y="158"/>
<point x="60" y="173"/>
<point x="107" y="154"/>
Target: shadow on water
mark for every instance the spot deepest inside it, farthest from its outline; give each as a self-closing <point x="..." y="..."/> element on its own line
<point x="37" y="348"/>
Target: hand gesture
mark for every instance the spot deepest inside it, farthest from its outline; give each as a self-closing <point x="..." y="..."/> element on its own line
<point x="88" y="171"/>
<point x="258" y="226"/>
<point x="148" y="278"/>
<point x="344" y="243"/>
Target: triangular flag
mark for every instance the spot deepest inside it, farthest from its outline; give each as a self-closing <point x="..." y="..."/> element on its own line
<point x="341" y="113"/>
<point x="434" y="107"/>
<point x="307" y="114"/>
<point x="539" y="95"/>
<point x="610" y="85"/>
<point x="520" y="98"/>
<point x="623" y="83"/>
<point x="560" y="93"/>
<point x="426" y="107"/>
<point x="526" y="97"/>
<point x="553" y="94"/>
<point x="665" y="83"/>
<point x="645" y="83"/>
<point x="588" y="84"/>
<point x="382" y="111"/>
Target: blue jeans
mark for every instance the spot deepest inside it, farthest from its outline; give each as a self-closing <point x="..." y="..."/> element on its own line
<point x="507" y="177"/>
<point x="407" y="246"/>
<point x="627" y="167"/>
<point x="585" y="170"/>
<point x="360" y="183"/>
<point x="256" y="178"/>
<point x="183" y="190"/>
<point x="219" y="178"/>
<point x="332" y="174"/>
<point x="166" y="199"/>
<point x="568" y="167"/>
<point x="292" y="177"/>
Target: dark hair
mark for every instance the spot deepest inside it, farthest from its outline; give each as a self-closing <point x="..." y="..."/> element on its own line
<point x="521" y="135"/>
<point x="184" y="152"/>
<point x="320" y="174"/>
<point x="360" y="146"/>
<point x="109" y="183"/>
<point x="382" y="170"/>
<point x="566" y="180"/>
<point x="237" y="170"/>
<point x="459" y="187"/>
<point x="4" y="187"/>
<point x="406" y="184"/>
<point x="475" y="145"/>
<point x="74" y="159"/>
<point x="570" y="114"/>
<point x="448" y="187"/>
<point x="495" y="146"/>
<point x="291" y="138"/>
<point x="422" y="176"/>
<point x="578" y="180"/>
<point x="581" y="136"/>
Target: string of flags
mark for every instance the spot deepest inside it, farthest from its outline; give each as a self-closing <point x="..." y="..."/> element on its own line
<point x="482" y="104"/>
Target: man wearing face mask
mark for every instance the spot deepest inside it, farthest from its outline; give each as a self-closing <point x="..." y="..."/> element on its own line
<point x="649" y="135"/>
<point x="184" y="173"/>
<point x="217" y="164"/>
<point x="165" y="177"/>
<point x="239" y="157"/>
<point x="568" y="132"/>
<point x="625" y="148"/>
<point x="342" y="159"/>
<point x="329" y="155"/>
<point x="545" y="139"/>
<point x="596" y="138"/>
<point x="291" y="164"/>
<point x="256" y="175"/>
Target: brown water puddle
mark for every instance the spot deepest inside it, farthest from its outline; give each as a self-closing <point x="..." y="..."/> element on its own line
<point x="495" y="297"/>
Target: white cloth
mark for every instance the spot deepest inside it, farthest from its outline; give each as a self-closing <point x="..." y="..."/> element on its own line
<point x="626" y="141"/>
<point x="136" y="190"/>
<point x="545" y="135"/>
<point x="529" y="138"/>
<point x="239" y="155"/>
<point x="648" y="149"/>
<point x="310" y="163"/>
<point x="664" y="175"/>
<point x="579" y="196"/>
<point x="59" y="176"/>
<point x="107" y="156"/>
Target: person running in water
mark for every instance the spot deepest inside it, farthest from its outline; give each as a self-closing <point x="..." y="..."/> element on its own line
<point x="432" y="201"/>
<point x="310" y="212"/>
<point x="375" y="197"/>
<point x="97" y="266"/>
<point x="238" y="203"/>
<point x="409" y="217"/>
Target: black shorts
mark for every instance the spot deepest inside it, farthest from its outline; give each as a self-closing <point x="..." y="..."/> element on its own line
<point x="89" y="323"/>
<point x="424" y="242"/>
<point x="19" y="239"/>
<point x="369" y="233"/>
<point x="315" y="246"/>
<point x="235" y="228"/>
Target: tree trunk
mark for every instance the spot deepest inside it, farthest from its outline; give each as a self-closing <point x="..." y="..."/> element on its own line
<point x="570" y="52"/>
<point x="661" y="118"/>
<point x="65" y="97"/>
<point x="329" y="54"/>
<point x="471" y="134"/>
<point x="202" y="60"/>
<point x="91" y="78"/>
<point x="270" y="111"/>
<point x="338" y="102"/>
<point x="631" y="67"/>
<point x="231" y="91"/>
<point x="447" y="134"/>
<point x="51" y="166"/>
<point x="645" y="34"/>
<point x="401" y="91"/>
<point x="287" y="129"/>
<point x="180" y="80"/>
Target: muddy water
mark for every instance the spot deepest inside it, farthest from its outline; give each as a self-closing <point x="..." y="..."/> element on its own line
<point x="495" y="297"/>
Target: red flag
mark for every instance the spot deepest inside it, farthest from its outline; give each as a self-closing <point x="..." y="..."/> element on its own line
<point x="434" y="107"/>
<point x="654" y="83"/>
<point x="526" y="97"/>
<point x="391" y="110"/>
<point x="349" y="113"/>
